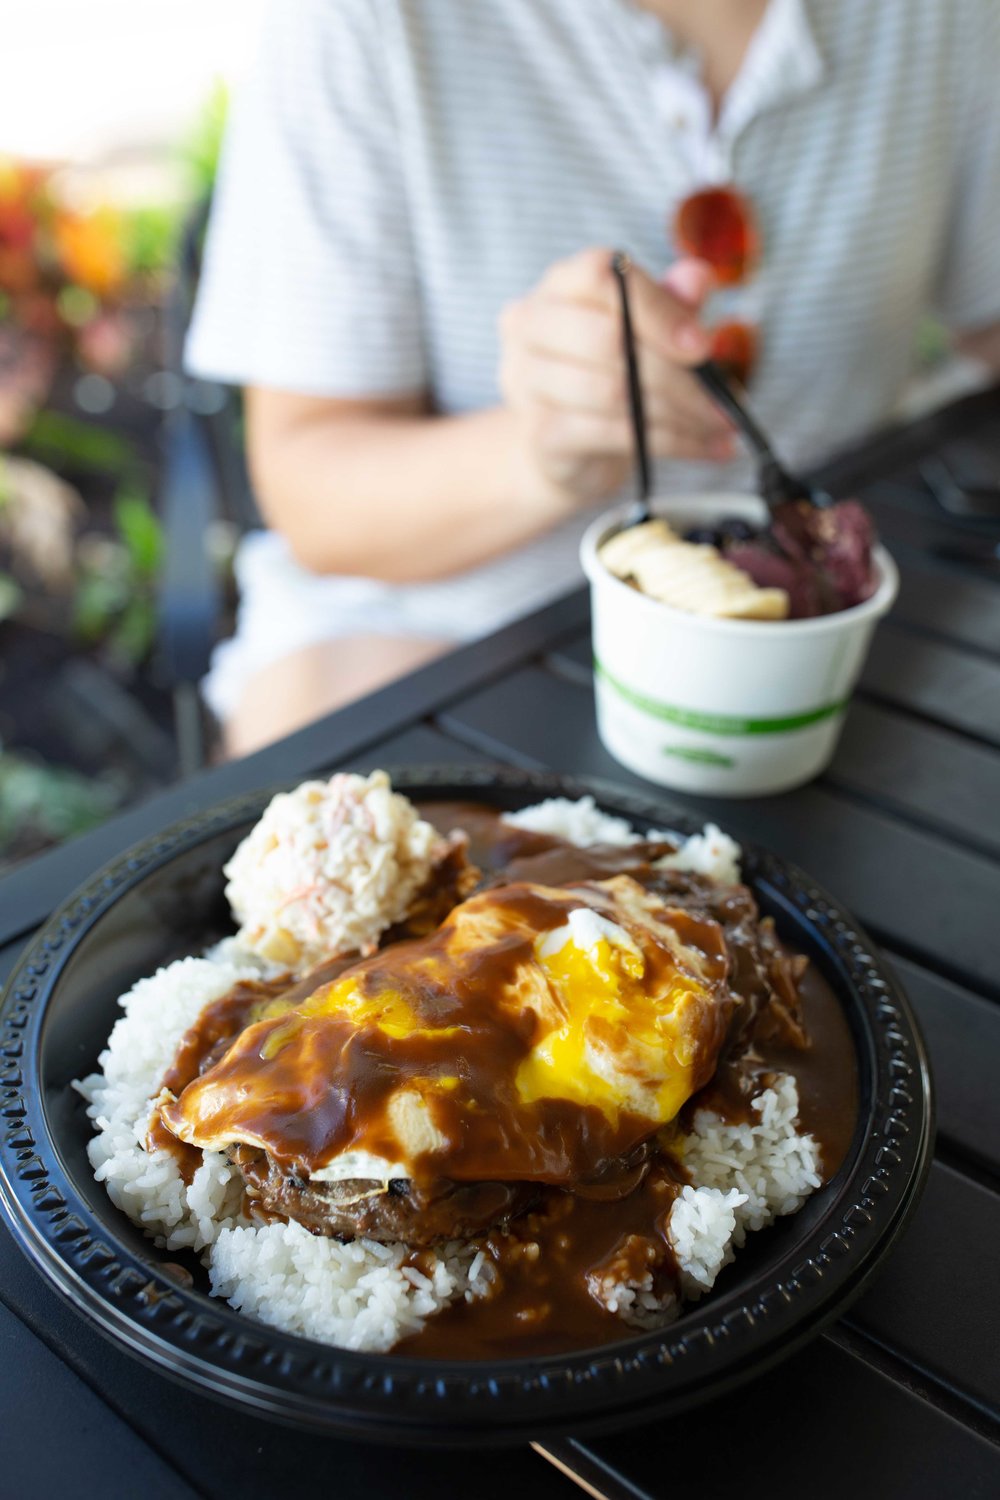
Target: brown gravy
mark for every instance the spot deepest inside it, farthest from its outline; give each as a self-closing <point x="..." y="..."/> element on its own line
<point x="825" y="1070"/>
<point x="204" y="1043"/>
<point x="541" y="1303"/>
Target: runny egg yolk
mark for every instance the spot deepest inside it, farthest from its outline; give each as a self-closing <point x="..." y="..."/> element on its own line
<point x="614" y="1038"/>
<point x="618" y="1047"/>
<point x="389" y="1011"/>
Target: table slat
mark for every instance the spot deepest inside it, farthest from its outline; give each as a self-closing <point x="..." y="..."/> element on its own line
<point x="908" y="492"/>
<point x="420" y="746"/>
<point x="906" y="765"/>
<point x="59" y="1438"/>
<point x="965" y="610"/>
<point x="902" y="519"/>
<point x="963" y="1038"/>
<point x="934" y="1303"/>
<point x="943" y="682"/>
<point x="897" y="450"/>
<point x="823" y="1425"/>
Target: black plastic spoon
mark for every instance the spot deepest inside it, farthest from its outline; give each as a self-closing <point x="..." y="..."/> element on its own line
<point x="620" y="264"/>
<point x="776" y="483"/>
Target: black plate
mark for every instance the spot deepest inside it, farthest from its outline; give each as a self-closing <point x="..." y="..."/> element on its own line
<point x="164" y="898"/>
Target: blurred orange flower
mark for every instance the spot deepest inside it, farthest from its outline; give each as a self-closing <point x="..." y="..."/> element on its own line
<point x="18" y="186"/>
<point x="19" y="208"/>
<point x="74" y="269"/>
<point x="18" y="271"/>
<point x="90" y="249"/>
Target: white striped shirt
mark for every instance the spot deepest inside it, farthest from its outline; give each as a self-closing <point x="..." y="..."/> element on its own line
<point x="397" y="170"/>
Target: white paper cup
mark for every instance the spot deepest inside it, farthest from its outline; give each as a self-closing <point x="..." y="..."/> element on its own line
<point x="736" y="708"/>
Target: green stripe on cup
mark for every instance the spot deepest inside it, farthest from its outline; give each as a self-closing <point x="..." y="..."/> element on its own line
<point x="691" y="718"/>
<point x="699" y="755"/>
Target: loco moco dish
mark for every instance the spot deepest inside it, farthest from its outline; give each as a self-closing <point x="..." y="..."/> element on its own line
<point x="472" y="1084"/>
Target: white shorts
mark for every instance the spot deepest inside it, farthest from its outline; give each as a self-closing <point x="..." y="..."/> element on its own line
<point x="283" y="607"/>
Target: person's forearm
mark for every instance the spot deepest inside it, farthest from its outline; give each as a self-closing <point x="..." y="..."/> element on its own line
<point x="983" y="344"/>
<point x="404" y="498"/>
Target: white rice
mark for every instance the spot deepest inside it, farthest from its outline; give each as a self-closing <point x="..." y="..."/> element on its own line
<point x="702" y="1225"/>
<point x="581" y="822"/>
<point x="745" y="1177"/>
<point x="148" y="1185"/>
<point x="711" y="852"/>
<point x="358" y="1296"/>
<point x="770" y="1164"/>
<point x="361" y="1295"/>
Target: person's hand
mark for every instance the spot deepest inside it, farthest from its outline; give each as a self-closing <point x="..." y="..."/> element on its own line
<point x="562" y="372"/>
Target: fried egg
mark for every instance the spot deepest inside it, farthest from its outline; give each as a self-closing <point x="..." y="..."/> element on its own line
<point x="538" y="1033"/>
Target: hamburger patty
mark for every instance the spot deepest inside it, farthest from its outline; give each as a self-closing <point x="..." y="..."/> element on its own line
<point x="399" y="1211"/>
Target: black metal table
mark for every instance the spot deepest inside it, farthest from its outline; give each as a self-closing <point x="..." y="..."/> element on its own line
<point x="899" y="1399"/>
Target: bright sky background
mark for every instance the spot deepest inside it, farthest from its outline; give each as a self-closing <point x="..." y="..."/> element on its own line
<point x="80" y="79"/>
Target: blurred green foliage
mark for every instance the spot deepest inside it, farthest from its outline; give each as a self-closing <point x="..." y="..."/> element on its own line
<point x="115" y="260"/>
<point x="933" y="343"/>
<point x="47" y="801"/>
<point x="68" y="444"/>
<point x="115" y="600"/>
<point x="11" y="596"/>
<point x="200" y="151"/>
<point x="116" y="571"/>
<point x="152" y="234"/>
<point x="139" y="530"/>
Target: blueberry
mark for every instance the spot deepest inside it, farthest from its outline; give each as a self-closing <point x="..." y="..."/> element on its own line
<point x="735" y="529"/>
<point x="705" y="536"/>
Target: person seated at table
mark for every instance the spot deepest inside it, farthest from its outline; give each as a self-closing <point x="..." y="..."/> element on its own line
<point x="408" y="271"/>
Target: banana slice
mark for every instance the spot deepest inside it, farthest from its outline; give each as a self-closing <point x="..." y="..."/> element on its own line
<point x="689" y="575"/>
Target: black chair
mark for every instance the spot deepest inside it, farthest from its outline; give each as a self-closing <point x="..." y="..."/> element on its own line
<point x="204" y="480"/>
